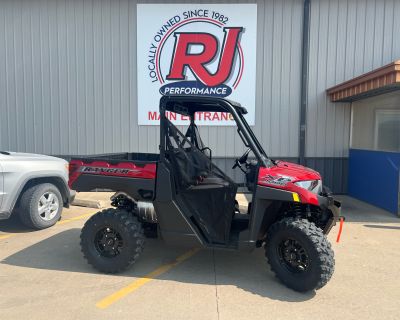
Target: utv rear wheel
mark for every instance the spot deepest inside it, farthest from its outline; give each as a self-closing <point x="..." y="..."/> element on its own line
<point x="299" y="254"/>
<point x="112" y="240"/>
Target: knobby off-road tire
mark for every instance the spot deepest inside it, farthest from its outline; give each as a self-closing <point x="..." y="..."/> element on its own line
<point x="294" y="234"/>
<point x="112" y="240"/>
<point x="40" y="206"/>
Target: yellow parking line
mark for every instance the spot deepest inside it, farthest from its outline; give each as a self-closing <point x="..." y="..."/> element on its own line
<point x="6" y="236"/>
<point x="107" y="301"/>
<point x="83" y="216"/>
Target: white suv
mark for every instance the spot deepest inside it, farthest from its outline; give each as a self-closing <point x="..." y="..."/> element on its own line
<point x="35" y="187"/>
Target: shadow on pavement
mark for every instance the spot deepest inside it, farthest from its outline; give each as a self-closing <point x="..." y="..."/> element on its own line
<point x="13" y="225"/>
<point x="358" y="211"/>
<point x="376" y="226"/>
<point x="247" y="271"/>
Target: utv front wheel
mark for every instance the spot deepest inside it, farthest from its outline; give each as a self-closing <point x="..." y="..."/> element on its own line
<point x="299" y="254"/>
<point x="112" y="240"/>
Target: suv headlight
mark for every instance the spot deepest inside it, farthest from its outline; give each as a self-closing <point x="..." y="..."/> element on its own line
<point x="311" y="185"/>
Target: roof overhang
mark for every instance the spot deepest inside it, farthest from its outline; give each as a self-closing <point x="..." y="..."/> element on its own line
<point x="375" y="82"/>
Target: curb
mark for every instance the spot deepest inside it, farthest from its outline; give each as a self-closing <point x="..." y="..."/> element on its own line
<point x="97" y="204"/>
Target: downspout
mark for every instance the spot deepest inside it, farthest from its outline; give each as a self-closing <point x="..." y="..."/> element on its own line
<point x="304" y="80"/>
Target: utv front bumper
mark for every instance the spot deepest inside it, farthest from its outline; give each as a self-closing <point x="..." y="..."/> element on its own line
<point x="327" y="202"/>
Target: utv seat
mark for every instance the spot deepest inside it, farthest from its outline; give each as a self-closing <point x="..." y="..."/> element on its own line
<point x="213" y="180"/>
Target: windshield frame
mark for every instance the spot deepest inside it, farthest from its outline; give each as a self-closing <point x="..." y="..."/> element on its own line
<point x="267" y="161"/>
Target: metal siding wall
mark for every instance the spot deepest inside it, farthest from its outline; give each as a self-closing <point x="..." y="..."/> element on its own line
<point x="334" y="172"/>
<point x="347" y="38"/>
<point x="68" y="79"/>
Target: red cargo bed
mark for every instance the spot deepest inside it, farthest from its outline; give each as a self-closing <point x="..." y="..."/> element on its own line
<point x="133" y="173"/>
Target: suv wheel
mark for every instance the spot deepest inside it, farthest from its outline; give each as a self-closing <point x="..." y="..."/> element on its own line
<point x="40" y="206"/>
<point x="299" y="254"/>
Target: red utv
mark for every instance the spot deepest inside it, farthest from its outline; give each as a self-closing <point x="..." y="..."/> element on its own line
<point x="187" y="200"/>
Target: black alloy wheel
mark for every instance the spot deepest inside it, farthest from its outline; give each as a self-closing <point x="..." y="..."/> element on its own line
<point x="108" y="242"/>
<point x="293" y="256"/>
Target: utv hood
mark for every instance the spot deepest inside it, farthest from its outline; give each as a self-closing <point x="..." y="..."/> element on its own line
<point x="292" y="171"/>
<point x="285" y="175"/>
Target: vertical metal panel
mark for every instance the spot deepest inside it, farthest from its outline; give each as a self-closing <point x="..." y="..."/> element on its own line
<point x="334" y="172"/>
<point x="277" y="84"/>
<point x="68" y="79"/>
<point x="278" y="87"/>
<point x="348" y="38"/>
<point x="385" y="189"/>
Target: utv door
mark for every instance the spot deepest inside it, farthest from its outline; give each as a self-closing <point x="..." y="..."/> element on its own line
<point x="204" y="193"/>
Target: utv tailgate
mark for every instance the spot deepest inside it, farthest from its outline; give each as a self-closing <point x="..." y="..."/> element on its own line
<point x="134" y="177"/>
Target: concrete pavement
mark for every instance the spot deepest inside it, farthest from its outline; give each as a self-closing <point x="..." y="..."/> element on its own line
<point x="43" y="276"/>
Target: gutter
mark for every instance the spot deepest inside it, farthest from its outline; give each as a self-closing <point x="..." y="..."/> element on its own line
<point x="304" y="80"/>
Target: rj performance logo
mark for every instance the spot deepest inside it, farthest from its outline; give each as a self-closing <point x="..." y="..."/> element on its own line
<point x="197" y="53"/>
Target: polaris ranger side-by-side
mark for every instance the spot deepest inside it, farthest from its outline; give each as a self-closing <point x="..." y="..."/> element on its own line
<point x="182" y="197"/>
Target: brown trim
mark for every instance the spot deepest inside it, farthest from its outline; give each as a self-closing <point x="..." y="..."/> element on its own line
<point x="377" y="81"/>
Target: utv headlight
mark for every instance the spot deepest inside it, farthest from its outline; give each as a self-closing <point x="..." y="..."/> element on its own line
<point x="311" y="185"/>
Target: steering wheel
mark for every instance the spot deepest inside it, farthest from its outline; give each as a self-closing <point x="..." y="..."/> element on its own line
<point x="241" y="160"/>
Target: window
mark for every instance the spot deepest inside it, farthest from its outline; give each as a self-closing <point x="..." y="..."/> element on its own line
<point x="387" y="130"/>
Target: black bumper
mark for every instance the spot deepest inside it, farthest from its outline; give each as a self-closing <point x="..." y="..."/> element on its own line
<point x="327" y="202"/>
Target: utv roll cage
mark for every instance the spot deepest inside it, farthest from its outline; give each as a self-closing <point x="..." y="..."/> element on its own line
<point x="189" y="105"/>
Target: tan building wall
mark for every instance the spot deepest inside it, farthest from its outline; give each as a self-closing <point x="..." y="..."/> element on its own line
<point x="364" y="118"/>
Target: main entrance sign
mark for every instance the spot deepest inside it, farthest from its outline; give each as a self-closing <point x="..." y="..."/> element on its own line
<point x="207" y="50"/>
